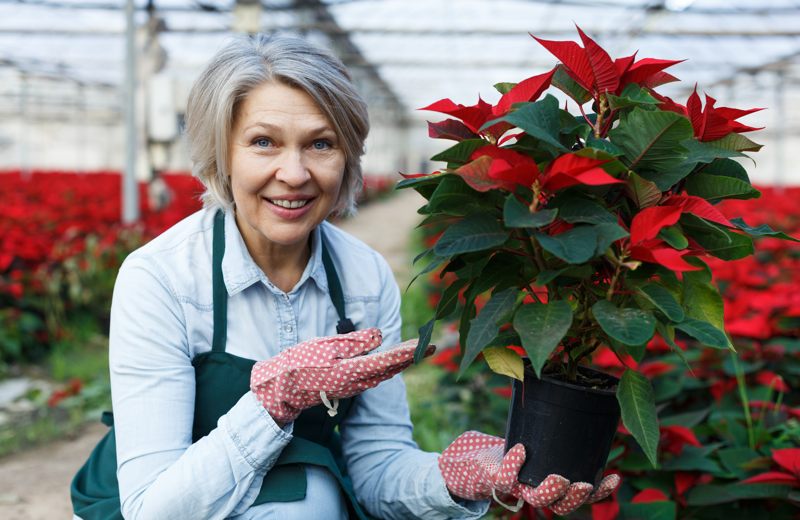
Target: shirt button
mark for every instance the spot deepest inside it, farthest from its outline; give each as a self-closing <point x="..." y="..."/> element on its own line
<point x="287" y="328"/>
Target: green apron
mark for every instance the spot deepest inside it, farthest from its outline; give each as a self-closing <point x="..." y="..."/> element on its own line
<point x="221" y="379"/>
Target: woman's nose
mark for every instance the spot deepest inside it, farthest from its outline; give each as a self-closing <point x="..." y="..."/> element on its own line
<point x="292" y="169"/>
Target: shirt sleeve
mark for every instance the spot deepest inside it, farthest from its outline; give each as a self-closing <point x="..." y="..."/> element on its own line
<point x="391" y="476"/>
<point x="161" y="473"/>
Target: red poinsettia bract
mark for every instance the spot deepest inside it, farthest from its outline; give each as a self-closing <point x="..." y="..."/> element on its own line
<point x="645" y="226"/>
<point x="594" y="70"/>
<point x="709" y="122"/>
<point x="789" y="460"/>
<point x="475" y="116"/>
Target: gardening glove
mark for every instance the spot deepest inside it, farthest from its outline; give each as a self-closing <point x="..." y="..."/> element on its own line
<point x="474" y="468"/>
<point x="324" y="370"/>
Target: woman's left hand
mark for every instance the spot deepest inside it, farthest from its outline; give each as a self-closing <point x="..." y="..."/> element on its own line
<point x="323" y="370"/>
<point x="474" y="468"/>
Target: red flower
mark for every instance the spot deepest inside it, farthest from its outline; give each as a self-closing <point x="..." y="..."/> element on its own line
<point x="788" y="459"/>
<point x="675" y="437"/>
<point x="474" y="117"/>
<point x="504" y="169"/>
<point x="649" y="495"/>
<point x="771" y="379"/>
<point x="709" y="123"/>
<point x="594" y="70"/>
<point x="570" y="169"/>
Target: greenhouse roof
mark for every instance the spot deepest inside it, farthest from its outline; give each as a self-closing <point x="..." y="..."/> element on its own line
<point x="743" y="51"/>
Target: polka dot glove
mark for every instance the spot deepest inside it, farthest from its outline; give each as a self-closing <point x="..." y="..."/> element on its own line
<point x="474" y="468"/>
<point x="323" y="370"/>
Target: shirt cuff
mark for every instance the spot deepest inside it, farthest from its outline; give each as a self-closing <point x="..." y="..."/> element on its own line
<point x="254" y="433"/>
<point x="445" y="503"/>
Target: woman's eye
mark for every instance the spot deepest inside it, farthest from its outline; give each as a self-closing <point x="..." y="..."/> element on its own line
<point x="322" y="144"/>
<point x="262" y="142"/>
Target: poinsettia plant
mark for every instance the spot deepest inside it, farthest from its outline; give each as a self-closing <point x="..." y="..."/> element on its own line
<point x="565" y="232"/>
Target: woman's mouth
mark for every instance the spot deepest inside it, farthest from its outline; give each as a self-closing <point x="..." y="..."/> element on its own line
<point x="289" y="204"/>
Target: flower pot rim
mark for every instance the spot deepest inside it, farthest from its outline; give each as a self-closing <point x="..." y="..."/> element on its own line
<point x="560" y="382"/>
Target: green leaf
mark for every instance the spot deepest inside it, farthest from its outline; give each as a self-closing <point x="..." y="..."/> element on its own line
<point x="425" y="333"/>
<point x="727" y="168"/>
<point x="642" y="192"/>
<point x="661" y="510"/>
<point x="474" y="233"/>
<point x="716" y="240"/>
<point x="738" y="142"/>
<point x="419" y="181"/>
<point x="664" y="301"/>
<point x="712" y="494"/>
<point x="734" y="458"/>
<point x="564" y="82"/>
<point x="574" y="246"/>
<point x="504" y="87"/>
<point x="704" y="332"/>
<point x="692" y="459"/>
<point x="518" y="215"/>
<point x="673" y="236"/>
<point x="638" y="408"/>
<point x="449" y="301"/>
<point x="574" y="209"/>
<point x="701" y="300"/>
<point x="485" y="327"/>
<point x="706" y="152"/>
<point x="541" y="327"/>
<point x="504" y="361"/>
<point x="540" y="120"/>
<point x="604" y="145"/>
<point x="762" y="231"/>
<point x="459" y="153"/>
<point x="715" y="188"/>
<point x="454" y="197"/>
<point x="579" y="272"/>
<point x="607" y="234"/>
<point x="651" y="140"/>
<point x="688" y="419"/>
<point x="627" y="325"/>
<point x="631" y="96"/>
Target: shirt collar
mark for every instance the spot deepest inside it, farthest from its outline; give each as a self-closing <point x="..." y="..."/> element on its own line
<point x="240" y="271"/>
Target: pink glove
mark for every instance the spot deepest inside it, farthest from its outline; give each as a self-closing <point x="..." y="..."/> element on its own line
<point x="326" y="369"/>
<point x="474" y="467"/>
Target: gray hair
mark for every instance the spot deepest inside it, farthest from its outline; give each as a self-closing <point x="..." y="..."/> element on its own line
<point x="248" y="62"/>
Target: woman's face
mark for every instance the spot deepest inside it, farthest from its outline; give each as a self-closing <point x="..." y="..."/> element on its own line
<point x="286" y="168"/>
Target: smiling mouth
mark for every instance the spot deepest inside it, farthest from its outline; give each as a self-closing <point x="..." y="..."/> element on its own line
<point x="289" y="204"/>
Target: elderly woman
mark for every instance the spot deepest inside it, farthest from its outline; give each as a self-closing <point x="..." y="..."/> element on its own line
<point x="319" y="428"/>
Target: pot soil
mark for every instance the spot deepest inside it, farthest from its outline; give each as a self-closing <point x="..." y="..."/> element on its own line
<point x="566" y="428"/>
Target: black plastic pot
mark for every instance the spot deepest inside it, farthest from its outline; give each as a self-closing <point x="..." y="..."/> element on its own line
<point x="566" y="428"/>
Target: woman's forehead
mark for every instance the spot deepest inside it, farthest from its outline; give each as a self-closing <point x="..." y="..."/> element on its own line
<point x="277" y="105"/>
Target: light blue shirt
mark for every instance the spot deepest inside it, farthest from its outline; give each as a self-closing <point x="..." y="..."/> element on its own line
<point x="161" y="317"/>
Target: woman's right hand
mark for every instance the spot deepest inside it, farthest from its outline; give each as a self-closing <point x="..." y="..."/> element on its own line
<point x="325" y="370"/>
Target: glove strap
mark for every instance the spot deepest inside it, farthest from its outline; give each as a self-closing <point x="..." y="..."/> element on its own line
<point x="513" y="509"/>
<point x="333" y="409"/>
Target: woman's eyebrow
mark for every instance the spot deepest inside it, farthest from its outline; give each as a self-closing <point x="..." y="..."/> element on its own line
<point x="275" y="128"/>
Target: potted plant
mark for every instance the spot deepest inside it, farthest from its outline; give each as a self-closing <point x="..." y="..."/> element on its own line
<point x="576" y="230"/>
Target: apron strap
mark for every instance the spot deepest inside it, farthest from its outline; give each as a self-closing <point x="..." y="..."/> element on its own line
<point x="220" y="297"/>
<point x="218" y="285"/>
<point x="335" y="289"/>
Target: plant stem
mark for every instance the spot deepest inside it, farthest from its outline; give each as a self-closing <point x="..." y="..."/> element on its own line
<point x="617" y="269"/>
<point x="751" y="440"/>
<point x="533" y="294"/>
<point x="598" y="127"/>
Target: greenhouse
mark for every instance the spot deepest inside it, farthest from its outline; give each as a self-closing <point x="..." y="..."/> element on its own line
<point x="589" y="198"/>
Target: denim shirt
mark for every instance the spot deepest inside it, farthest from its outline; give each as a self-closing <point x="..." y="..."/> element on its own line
<point x="161" y="317"/>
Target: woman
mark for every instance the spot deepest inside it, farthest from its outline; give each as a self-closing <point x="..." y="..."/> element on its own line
<point x="276" y="131"/>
